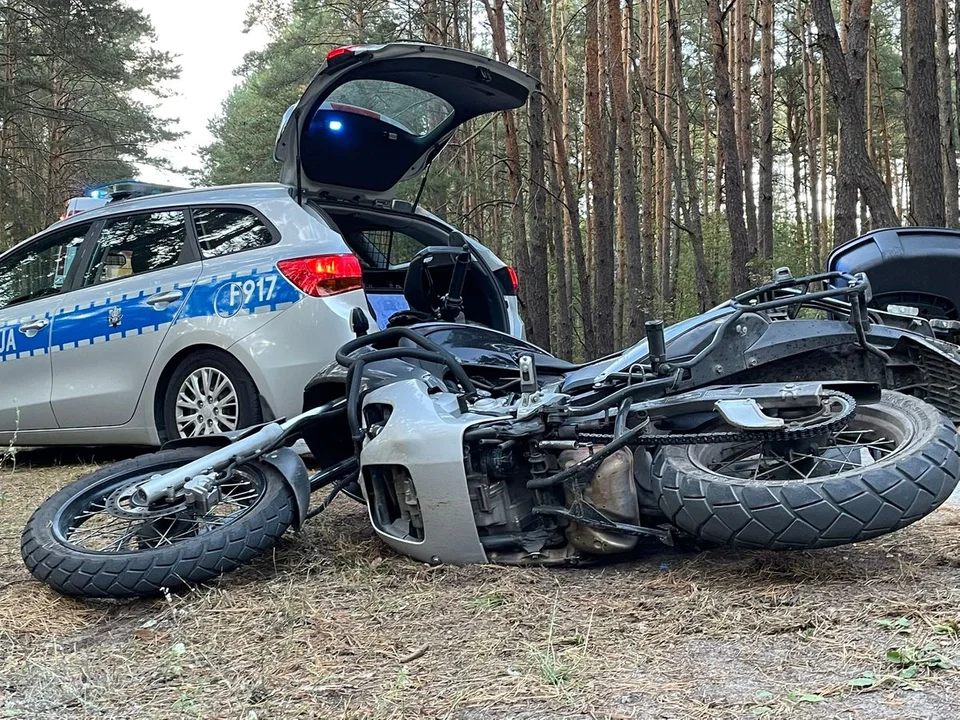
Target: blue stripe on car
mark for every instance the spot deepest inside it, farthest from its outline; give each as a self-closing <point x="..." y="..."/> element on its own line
<point x="248" y="292"/>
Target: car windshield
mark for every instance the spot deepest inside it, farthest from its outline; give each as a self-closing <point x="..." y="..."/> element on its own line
<point x="413" y="110"/>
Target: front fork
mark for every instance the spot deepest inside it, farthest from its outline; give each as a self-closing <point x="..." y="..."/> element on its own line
<point x="207" y="471"/>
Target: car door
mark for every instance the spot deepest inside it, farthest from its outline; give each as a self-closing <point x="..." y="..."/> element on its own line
<point x="33" y="279"/>
<point x="136" y="278"/>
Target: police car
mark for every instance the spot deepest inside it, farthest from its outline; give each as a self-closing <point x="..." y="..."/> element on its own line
<point x="201" y="311"/>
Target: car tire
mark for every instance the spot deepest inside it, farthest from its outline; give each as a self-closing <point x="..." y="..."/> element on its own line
<point x="236" y="403"/>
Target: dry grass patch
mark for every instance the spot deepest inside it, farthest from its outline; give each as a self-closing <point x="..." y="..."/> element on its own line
<point x="333" y="624"/>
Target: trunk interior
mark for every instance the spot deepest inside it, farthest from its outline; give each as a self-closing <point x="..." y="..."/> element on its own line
<point x="385" y="241"/>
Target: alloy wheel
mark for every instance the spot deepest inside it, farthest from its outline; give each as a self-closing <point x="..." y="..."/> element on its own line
<point x="207" y="403"/>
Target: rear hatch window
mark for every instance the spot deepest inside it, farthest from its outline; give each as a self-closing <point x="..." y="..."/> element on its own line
<point x="410" y="109"/>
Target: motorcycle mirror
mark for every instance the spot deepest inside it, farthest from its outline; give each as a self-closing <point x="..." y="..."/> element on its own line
<point x="359" y="322"/>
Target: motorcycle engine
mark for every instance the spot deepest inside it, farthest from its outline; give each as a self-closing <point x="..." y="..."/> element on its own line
<point x="504" y="507"/>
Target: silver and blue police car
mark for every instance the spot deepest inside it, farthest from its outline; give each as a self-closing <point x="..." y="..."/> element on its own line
<point x="188" y="313"/>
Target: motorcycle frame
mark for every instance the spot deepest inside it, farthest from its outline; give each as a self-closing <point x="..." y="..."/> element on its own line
<point x="743" y="341"/>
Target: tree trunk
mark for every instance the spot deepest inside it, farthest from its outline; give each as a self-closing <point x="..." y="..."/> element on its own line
<point x="521" y="258"/>
<point x="813" y="172"/>
<point x="7" y="89"/>
<point x="648" y="194"/>
<point x="794" y="113"/>
<point x="884" y="127"/>
<point x="561" y="80"/>
<point x="743" y="102"/>
<point x="846" y="72"/>
<point x="948" y="134"/>
<point x="689" y="204"/>
<point x="627" y="194"/>
<point x="956" y="64"/>
<point x="765" y="218"/>
<point x="538" y="295"/>
<point x="600" y="182"/>
<point x="666" y="184"/>
<point x="924" y="165"/>
<point x="742" y="249"/>
<point x="563" y="347"/>
<point x="562" y="324"/>
<point x="705" y="118"/>
<point x="822" y="254"/>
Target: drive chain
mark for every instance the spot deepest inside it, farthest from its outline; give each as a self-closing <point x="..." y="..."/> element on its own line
<point x="832" y="424"/>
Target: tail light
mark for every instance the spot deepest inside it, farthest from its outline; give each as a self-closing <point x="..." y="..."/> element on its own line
<point x="508" y="279"/>
<point x="322" y="275"/>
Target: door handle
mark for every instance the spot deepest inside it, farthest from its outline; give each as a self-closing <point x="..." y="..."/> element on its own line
<point x="32" y="327"/>
<point x="161" y="300"/>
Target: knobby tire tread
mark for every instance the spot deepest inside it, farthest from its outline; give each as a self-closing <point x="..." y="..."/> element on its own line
<point x="101" y="575"/>
<point x="821" y="512"/>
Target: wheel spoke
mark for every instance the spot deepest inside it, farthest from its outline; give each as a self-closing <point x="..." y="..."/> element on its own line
<point x="739" y="456"/>
<point x="110" y="529"/>
<point x="185" y="402"/>
<point x="195" y="387"/>
<point x="111" y="523"/>
<point x="218" y="386"/>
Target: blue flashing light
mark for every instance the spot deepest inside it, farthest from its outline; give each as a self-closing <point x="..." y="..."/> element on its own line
<point x="99" y="194"/>
<point x="335" y="125"/>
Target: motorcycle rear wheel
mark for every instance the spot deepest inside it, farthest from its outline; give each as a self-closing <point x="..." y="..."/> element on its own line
<point x="895" y="462"/>
<point x="88" y="540"/>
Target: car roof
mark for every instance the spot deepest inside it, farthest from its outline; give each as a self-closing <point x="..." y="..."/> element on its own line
<point x="225" y="194"/>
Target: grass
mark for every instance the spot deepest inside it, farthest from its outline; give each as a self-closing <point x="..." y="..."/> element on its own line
<point x="333" y="624"/>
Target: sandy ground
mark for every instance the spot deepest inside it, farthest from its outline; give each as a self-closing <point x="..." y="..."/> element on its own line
<point x="955" y="498"/>
<point x="333" y="624"/>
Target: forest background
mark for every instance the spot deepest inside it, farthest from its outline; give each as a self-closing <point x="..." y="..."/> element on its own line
<point x="679" y="149"/>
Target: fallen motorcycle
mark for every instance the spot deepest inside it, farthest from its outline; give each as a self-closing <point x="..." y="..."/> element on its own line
<point x="793" y="416"/>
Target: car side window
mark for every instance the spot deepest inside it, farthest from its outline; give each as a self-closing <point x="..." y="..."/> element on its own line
<point x="222" y="231"/>
<point x="40" y="269"/>
<point x="135" y="244"/>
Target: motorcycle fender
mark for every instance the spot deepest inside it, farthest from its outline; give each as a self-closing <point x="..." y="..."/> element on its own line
<point x="291" y="467"/>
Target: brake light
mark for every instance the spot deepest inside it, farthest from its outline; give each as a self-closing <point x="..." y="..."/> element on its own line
<point x="345" y="50"/>
<point x="348" y="51"/>
<point x="322" y="275"/>
<point x="507" y="277"/>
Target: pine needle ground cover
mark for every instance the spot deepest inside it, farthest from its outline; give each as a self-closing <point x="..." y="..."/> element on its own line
<point x="333" y="624"/>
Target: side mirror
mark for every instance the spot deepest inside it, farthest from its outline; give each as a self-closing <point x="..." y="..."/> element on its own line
<point x="359" y="322"/>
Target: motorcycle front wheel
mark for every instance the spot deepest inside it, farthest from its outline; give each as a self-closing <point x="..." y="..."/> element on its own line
<point x="895" y="462"/>
<point x="90" y="540"/>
